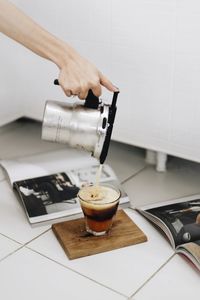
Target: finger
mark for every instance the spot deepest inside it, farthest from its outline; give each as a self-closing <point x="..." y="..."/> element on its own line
<point x="83" y="94"/>
<point x="75" y="91"/>
<point x="66" y="89"/>
<point x="108" y="84"/>
<point x="68" y="93"/>
<point x="97" y="90"/>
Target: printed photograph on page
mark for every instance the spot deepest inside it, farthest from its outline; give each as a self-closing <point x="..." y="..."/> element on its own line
<point x="183" y="220"/>
<point x="47" y="194"/>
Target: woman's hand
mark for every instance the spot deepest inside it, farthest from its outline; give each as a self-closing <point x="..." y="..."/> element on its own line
<point x="78" y="75"/>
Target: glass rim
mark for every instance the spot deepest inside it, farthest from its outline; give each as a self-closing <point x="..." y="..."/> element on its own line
<point x="98" y="201"/>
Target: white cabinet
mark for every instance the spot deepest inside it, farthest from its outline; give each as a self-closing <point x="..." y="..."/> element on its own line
<point x="149" y="48"/>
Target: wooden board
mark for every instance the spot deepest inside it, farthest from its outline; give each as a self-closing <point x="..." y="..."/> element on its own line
<point x="76" y="242"/>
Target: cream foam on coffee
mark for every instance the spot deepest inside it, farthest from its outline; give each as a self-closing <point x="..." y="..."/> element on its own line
<point x="95" y="195"/>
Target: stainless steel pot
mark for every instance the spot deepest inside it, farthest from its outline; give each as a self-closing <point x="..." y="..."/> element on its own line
<point x="85" y="126"/>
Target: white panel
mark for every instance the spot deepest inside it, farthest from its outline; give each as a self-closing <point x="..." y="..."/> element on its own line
<point x="142" y="62"/>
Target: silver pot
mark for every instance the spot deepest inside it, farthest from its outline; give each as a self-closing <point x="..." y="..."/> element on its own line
<point x="84" y="126"/>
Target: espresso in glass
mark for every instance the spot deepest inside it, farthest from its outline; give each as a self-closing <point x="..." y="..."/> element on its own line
<point x="99" y="205"/>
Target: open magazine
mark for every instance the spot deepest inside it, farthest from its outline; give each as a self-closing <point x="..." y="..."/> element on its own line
<point x="52" y="197"/>
<point x="180" y="220"/>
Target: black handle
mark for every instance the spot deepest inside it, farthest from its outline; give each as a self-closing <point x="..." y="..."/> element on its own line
<point x="114" y="100"/>
<point x="91" y="100"/>
<point x="111" y="119"/>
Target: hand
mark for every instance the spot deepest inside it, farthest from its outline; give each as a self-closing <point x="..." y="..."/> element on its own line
<point x="77" y="76"/>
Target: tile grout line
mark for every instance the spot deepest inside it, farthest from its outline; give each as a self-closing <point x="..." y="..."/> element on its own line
<point x="13" y="240"/>
<point x="22" y="245"/>
<point x="132" y="176"/>
<point x="11" y="253"/>
<point x="152" y="276"/>
<point x="37" y="237"/>
<point x="74" y="271"/>
<point x="35" y="154"/>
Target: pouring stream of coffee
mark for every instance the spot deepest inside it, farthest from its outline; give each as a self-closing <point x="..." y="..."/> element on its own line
<point x="98" y="175"/>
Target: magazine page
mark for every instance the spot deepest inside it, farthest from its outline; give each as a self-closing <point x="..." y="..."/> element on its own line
<point x="160" y="224"/>
<point x="192" y="251"/>
<point x="55" y="196"/>
<point x="48" y="197"/>
<point x="179" y="219"/>
<point x="42" y="180"/>
<point x="46" y="164"/>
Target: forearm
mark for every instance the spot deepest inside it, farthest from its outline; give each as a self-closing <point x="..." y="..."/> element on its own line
<point x="16" y="25"/>
<point x="77" y="75"/>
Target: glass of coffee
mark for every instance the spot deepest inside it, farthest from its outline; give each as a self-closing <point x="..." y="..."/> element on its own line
<point x="99" y="205"/>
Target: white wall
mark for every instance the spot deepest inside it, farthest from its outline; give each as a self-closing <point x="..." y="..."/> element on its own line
<point x="149" y="48"/>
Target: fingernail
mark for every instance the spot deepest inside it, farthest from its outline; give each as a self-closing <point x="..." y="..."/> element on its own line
<point x="116" y="89"/>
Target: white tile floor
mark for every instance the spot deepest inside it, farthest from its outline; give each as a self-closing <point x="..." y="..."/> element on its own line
<point x="34" y="266"/>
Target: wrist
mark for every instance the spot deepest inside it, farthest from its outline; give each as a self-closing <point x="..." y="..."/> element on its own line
<point x="62" y="54"/>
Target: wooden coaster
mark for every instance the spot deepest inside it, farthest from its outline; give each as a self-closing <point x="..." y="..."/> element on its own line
<point x="76" y="242"/>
